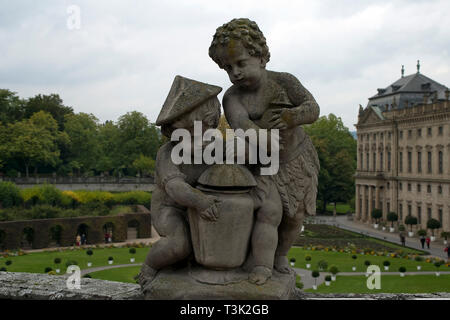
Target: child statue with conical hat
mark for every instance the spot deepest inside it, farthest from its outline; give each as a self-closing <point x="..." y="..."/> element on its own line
<point x="188" y="101"/>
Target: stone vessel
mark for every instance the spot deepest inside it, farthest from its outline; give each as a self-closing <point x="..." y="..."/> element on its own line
<point x="224" y="244"/>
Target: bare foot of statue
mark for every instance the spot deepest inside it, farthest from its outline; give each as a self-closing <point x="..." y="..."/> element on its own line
<point x="146" y="276"/>
<point x="281" y="264"/>
<point x="259" y="275"/>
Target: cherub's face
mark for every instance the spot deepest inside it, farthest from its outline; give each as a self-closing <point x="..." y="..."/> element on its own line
<point x="244" y="70"/>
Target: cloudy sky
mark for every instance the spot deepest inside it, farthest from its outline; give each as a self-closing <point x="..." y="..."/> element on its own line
<point x="124" y="55"/>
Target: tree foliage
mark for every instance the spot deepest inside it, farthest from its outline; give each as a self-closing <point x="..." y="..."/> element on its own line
<point x="41" y="132"/>
<point x="336" y="149"/>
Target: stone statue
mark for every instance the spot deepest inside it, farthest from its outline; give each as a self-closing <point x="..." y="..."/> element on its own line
<point x="263" y="99"/>
<point x="188" y="100"/>
<point x="225" y="227"/>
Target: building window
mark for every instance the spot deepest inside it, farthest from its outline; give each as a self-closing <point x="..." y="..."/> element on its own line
<point x="409" y="210"/>
<point x="440" y="189"/>
<point x="401" y="134"/>
<point x="389" y="161"/>
<point x="361" y="160"/>
<point x="400" y="186"/>
<point x="419" y="187"/>
<point x="388" y="185"/>
<point x="441" y="130"/>
<point x="419" y="132"/>
<point x="381" y="161"/>
<point x="430" y="169"/>
<point x="428" y="214"/>
<point x="429" y="188"/>
<point x="381" y="136"/>
<point x="389" y="135"/>
<point x="400" y="212"/>
<point x="429" y="131"/>
<point x="419" y="214"/>
<point x="419" y="162"/>
<point x="440" y="215"/>
<point x="409" y="186"/>
<point x="400" y="162"/>
<point x="388" y="206"/>
<point x="374" y="162"/>
<point x="409" y="133"/>
<point x="441" y="162"/>
<point x="367" y="161"/>
<point x="409" y="161"/>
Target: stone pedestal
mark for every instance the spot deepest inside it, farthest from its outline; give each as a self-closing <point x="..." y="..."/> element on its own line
<point x="197" y="284"/>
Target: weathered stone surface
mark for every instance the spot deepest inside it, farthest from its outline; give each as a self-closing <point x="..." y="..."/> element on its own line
<point x="35" y="286"/>
<point x="179" y="285"/>
<point x="299" y="295"/>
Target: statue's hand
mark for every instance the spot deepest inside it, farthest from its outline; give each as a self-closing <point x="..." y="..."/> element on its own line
<point x="279" y="119"/>
<point x="211" y="213"/>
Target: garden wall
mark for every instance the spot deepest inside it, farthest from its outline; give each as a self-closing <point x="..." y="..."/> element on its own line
<point x="13" y="235"/>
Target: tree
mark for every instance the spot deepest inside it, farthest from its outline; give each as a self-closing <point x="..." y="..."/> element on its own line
<point x="433" y="224"/>
<point x="410" y="220"/>
<point x="35" y="141"/>
<point x="392" y="217"/>
<point x="109" y="158"/>
<point x="377" y="214"/>
<point x="145" y="165"/>
<point x="336" y="149"/>
<point x="52" y="104"/>
<point x="83" y="150"/>
<point x="12" y="108"/>
<point x="137" y="136"/>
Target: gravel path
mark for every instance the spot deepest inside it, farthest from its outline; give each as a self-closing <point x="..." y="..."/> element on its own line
<point x="90" y="270"/>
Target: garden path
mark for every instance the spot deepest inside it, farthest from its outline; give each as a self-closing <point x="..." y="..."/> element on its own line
<point x="436" y="247"/>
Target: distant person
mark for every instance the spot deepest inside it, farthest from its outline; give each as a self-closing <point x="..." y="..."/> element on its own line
<point x="402" y="239"/>
<point x="110" y="237"/>
<point x="83" y="239"/>
<point x="78" y="240"/>
<point x="447" y="249"/>
<point x="422" y="241"/>
<point x="106" y="237"/>
<point x="428" y="240"/>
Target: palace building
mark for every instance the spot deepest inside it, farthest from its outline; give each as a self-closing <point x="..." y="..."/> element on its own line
<point x="404" y="152"/>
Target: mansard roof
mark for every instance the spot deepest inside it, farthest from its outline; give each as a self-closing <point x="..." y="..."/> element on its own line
<point x="414" y="83"/>
<point x="408" y="91"/>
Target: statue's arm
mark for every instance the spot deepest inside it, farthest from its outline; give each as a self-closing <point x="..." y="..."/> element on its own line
<point x="238" y="118"/>
<point x="306" y="109"/>
<point x="173" y="181"/>
<point x="185" y="195"/>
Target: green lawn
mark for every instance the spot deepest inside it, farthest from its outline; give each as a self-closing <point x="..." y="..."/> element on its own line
<point x="125" y="274"/>
<point x="36" y="262"/>
<point x="344" y="262"/>
<point x="340" y="208"/>
<point x="389" y="284"/>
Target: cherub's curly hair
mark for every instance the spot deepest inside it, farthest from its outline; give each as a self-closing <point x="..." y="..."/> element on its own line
<point x="244" y="30"/>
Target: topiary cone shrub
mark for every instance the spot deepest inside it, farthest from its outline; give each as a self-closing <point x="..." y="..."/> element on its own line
<point x="315" y="274"/>
<point x="433" y="224"/>
<point x="392" y="217"/>
<point x="376" y="215"/>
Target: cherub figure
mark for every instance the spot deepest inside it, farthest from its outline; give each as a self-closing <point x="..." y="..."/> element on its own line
<point x="263" y="99"/>
<point x="188" y="101"/>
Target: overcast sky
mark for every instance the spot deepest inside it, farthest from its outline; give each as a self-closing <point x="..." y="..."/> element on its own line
<point x="125" y="54"/>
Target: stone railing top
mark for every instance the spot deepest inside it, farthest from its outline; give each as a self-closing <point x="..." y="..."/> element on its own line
<point x="75" y="180"/>
<point x="35" y="286"/>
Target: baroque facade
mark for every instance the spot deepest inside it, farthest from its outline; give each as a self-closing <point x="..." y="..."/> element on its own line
<point x="404" y="152"/>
